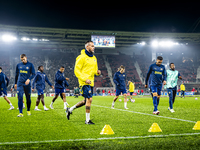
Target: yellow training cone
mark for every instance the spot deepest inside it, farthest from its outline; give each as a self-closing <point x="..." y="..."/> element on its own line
<point x="107" y="130"/>
<point x="155" y="128"/>
<point x="197" y="126"/>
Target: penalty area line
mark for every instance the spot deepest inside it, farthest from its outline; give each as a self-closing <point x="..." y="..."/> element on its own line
<point x="146" y="114"/>
<point x="98" y="139"/>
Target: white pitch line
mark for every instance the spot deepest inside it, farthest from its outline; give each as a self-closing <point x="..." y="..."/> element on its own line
<point x="146" y="114"/>
<point x="98" y="139"/>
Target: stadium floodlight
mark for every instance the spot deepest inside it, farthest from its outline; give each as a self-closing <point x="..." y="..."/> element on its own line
<point x="166" y="43"/>
<point x="34" y="39"/>
<point x="143" y="43"/>
<point x="8" y="38"/>
<point x="25" y="39"/>
<point x="154" y="43"/>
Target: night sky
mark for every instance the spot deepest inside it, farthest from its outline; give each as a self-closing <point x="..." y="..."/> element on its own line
<point x="100" y="15"/>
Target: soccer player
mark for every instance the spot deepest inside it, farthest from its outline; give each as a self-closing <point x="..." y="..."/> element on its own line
<point x="4" y="81"/>
<point x="24" y="73"/>
<point x="120" y="82"/>
<point x="131" y="88"/>
<point x="182" y="87"/>
<point x="85" y="70"/>
<point x="40" y="79"/>
<point x="158" y="76"/>
<point x="60" y="84"/>
<point x="172" y="79"/>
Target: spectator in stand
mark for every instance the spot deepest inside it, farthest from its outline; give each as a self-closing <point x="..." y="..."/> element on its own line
<point x="142" y="92"/>
<point x="138" y="92"/>
<point x="103" y="92"/>
<point x="193" y="90"/>
<point x="108" y="92"/>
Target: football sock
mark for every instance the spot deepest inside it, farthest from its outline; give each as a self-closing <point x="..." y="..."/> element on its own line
<point x="87" y="117"/>
<point x="20" y="104"/>
<point x="36" y="107"/>
<point x="10" y="104"/>
<point x="65" y="103"/>
<point x="125" y="104"/>
<point x="51" y="103"/>
<point x="113" y="103"/>
<point x="155" y="103"/>
<point x="72" y="108"/>
<point x="158" y="100"/>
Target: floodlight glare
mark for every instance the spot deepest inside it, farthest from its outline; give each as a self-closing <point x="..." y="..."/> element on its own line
<point x="25" y="39"/>
<point x="154" y="43"/>
<point x="34" y="39"/>
<point x="8" y="38"/>
<point x="143" y="43"/>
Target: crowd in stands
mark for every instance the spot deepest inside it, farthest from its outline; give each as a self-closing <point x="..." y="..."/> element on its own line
<point x="54" y="60"/>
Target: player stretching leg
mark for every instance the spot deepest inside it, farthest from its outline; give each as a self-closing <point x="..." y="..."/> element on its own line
<point x="172" y="79"/>
<point x="4" y="81"/>
<point x="40" y="79"/>
<point x="120" y="82"/>
<point x="158" y="76"/>
<point x="85" y="70"/>
<point x="60" y="84"/>
<point x="24" y="73"/>
<point x="131" y="89"/>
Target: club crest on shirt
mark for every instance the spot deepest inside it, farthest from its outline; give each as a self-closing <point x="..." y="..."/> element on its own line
<point x="161" y="69"/>
<point x="26" y="67"/>
<point x="123" y="75"/>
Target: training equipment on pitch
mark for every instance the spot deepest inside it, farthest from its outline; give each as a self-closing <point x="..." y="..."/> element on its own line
<point x="107" y="130"/>
<point x="155" y="128"/>
<point x="120" y="100"/>
<point x="196" y="126"/>
<point x="196" y="98"/>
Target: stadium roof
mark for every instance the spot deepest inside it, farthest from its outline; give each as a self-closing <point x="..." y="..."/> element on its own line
<point x="62" y="38"/>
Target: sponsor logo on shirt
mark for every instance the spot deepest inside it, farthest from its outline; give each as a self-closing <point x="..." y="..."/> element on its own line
<point x="23" y="71"/>
<point x="158" y="72"/>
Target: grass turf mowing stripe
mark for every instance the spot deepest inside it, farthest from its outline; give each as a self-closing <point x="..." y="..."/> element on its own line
<point x="96" y="139"/>
<point x="146" y="114"/>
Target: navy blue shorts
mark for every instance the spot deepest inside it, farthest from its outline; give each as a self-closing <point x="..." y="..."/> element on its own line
<point x="131" y="93"/>
<point x="118" y="92"/>
<point x="3" y="93"/>
<point x="156" y="89"/>
<point x="87" y="91"/>
<point x="59" y="91"/>
<point x="40" y="92"/>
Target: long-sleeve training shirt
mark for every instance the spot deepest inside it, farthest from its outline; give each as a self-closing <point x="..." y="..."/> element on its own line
<point x="158" y="75"/>
<point x="24" y="72"/>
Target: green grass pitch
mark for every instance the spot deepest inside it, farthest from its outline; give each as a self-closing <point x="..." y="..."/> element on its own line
<point x="51" y="129"/>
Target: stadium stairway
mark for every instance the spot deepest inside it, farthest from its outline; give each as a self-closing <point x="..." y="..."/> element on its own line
<point x="109" y="70"/>
<point x="139" y="71"/>
<point x="198" y="74"/>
